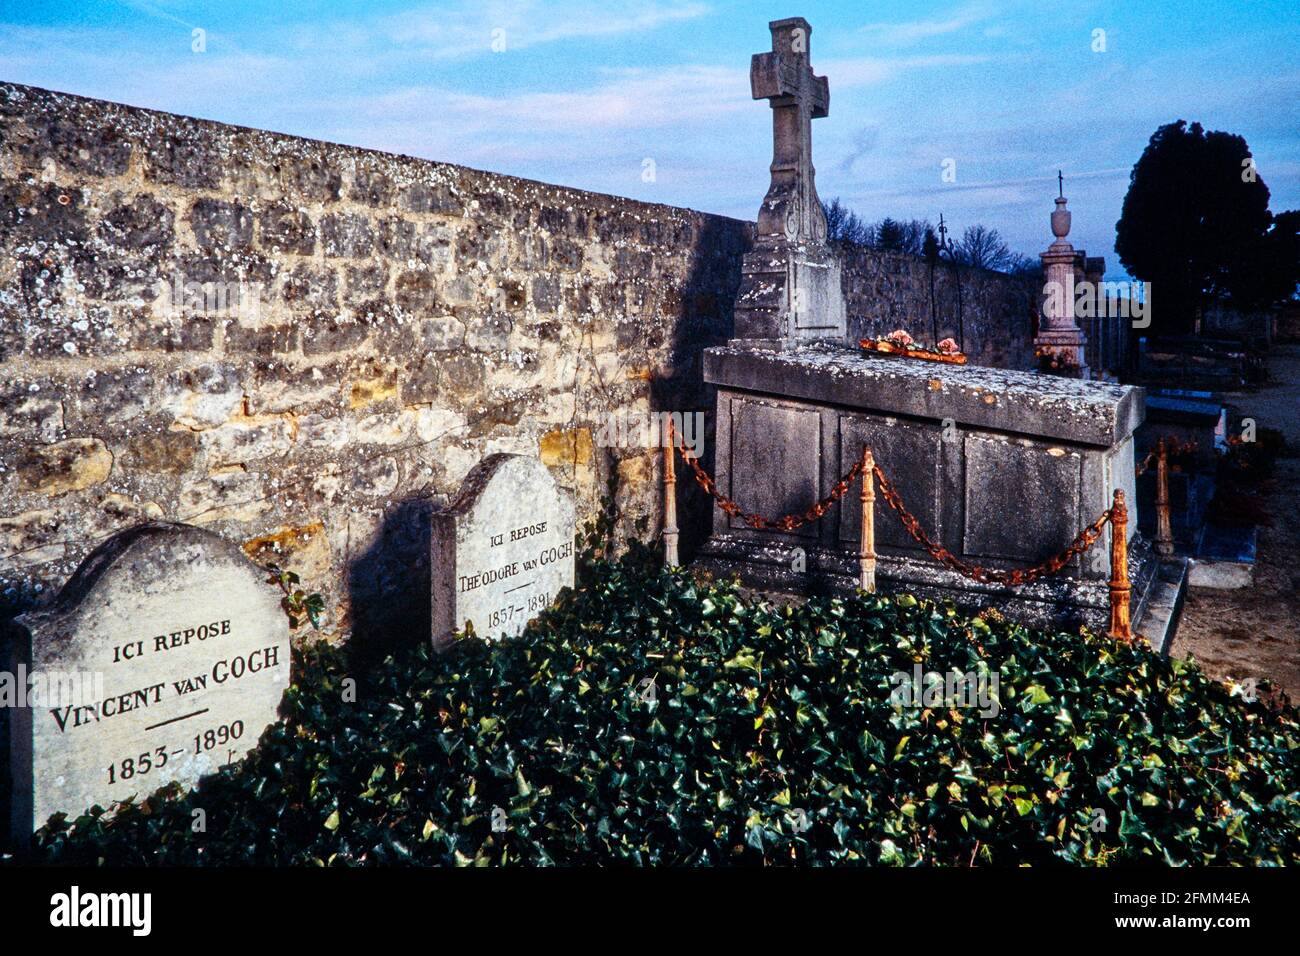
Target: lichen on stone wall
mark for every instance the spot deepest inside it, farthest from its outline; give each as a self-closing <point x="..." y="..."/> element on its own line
<point x="307" y="346"/>
<point x="263" y="334"/>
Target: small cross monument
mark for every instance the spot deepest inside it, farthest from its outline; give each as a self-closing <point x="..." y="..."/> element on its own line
<point x="791" y="280"/>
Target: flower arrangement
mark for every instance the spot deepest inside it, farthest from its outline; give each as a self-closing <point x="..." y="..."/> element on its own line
<point x="1056" y="362"/>
<point x="900" y="342"/>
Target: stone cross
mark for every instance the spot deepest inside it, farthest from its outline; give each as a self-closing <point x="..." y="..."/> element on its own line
<point x="785" y="77"/>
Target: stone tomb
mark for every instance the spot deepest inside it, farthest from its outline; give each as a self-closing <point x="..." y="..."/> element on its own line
<point x="164" y="657"/>
<point x="1003" y="468"/>
<point x="503" y="550"/>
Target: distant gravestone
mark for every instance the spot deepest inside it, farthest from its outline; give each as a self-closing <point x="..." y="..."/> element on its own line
<point x="503" y="550"/>
<point x="163" y="658"/>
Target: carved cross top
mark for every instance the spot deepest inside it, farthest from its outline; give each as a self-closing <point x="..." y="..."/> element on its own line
<point x="785" y="77"/>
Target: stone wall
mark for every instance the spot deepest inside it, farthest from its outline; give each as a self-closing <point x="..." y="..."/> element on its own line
<point x="306" y="346"/>
<point x="411" y="317"/>
<point x="990" y="314"/>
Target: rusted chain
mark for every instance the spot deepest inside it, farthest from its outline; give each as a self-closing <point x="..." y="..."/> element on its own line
<point x="1016" y="576"/>
<point x="790" y="522"/>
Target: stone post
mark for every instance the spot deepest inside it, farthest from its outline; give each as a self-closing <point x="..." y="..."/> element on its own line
<point x="670" y="499"/>
<point x="1164" y="534"/>
<point x="867" y="541"/>
<point x="1120" y="588"/>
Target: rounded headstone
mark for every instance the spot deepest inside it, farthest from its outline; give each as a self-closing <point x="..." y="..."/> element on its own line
<point x="164" y="657"/>
<point x="503" y="550"/>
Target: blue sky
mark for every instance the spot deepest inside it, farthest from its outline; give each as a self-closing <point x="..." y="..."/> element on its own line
<point x="586" y="90"/>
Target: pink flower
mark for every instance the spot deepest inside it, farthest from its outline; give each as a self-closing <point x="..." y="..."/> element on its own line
<point x="899" y="337"/>
<point x="947" y="347"/>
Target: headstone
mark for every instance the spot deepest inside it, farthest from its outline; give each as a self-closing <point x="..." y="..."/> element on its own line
<point x="1190" y="421"/>
<point x="503" y="551"/>
<point x="790" y="281"/>
<point x="164" y="657"/>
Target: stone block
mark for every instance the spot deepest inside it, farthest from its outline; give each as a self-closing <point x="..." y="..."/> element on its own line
<point x="30" y="414"/>
<point x="221" y="225"/>
<point x="375" y="383"/>
<point x="431" y="197"/>
<point x="30" y="538"/>
<point x="61" y="467"/>
<point x="285" y="228"/>
<point x="203" y="396"/>
<point x="910" y="454"/>
<point x="310" y="287"/>
<point x="235" y="495"/>
<point x="333" y="335"/>
<point x="414" y="243"/>
<point x="347" y="235"/>
<point x="142" y="224"/>
<point x="264" y="339"/>
<point x="150" y="332"/>
<point x="160" y="451"/>
<point x="303" y="549"/>
<point x="243" y="441"/>
<point x="416" y="291"/>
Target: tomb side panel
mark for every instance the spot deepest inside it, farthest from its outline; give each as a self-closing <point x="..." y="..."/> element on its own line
<point x="775" y="460"/>
<point x="910" y="455"/>
<point x="1021" y="498"/>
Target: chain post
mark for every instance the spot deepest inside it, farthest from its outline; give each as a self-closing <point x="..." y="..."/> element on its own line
<point x="867" y="546"/>
<point x="1164" y="535"/>
<point x="670" y="498"/>
<point x="1119" y="583"/>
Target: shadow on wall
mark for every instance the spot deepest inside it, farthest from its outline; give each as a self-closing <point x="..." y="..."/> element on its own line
<point x="705" y="317"/>
<point x="388" y="583"/>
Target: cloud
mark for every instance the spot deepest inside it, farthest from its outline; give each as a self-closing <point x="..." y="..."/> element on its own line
<point x="624" y="99"/>
<point x="846" y="74"/>
<point x="471" y="28"/>
<point x="864" y="141"/>
<point x="914" y="31"/>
